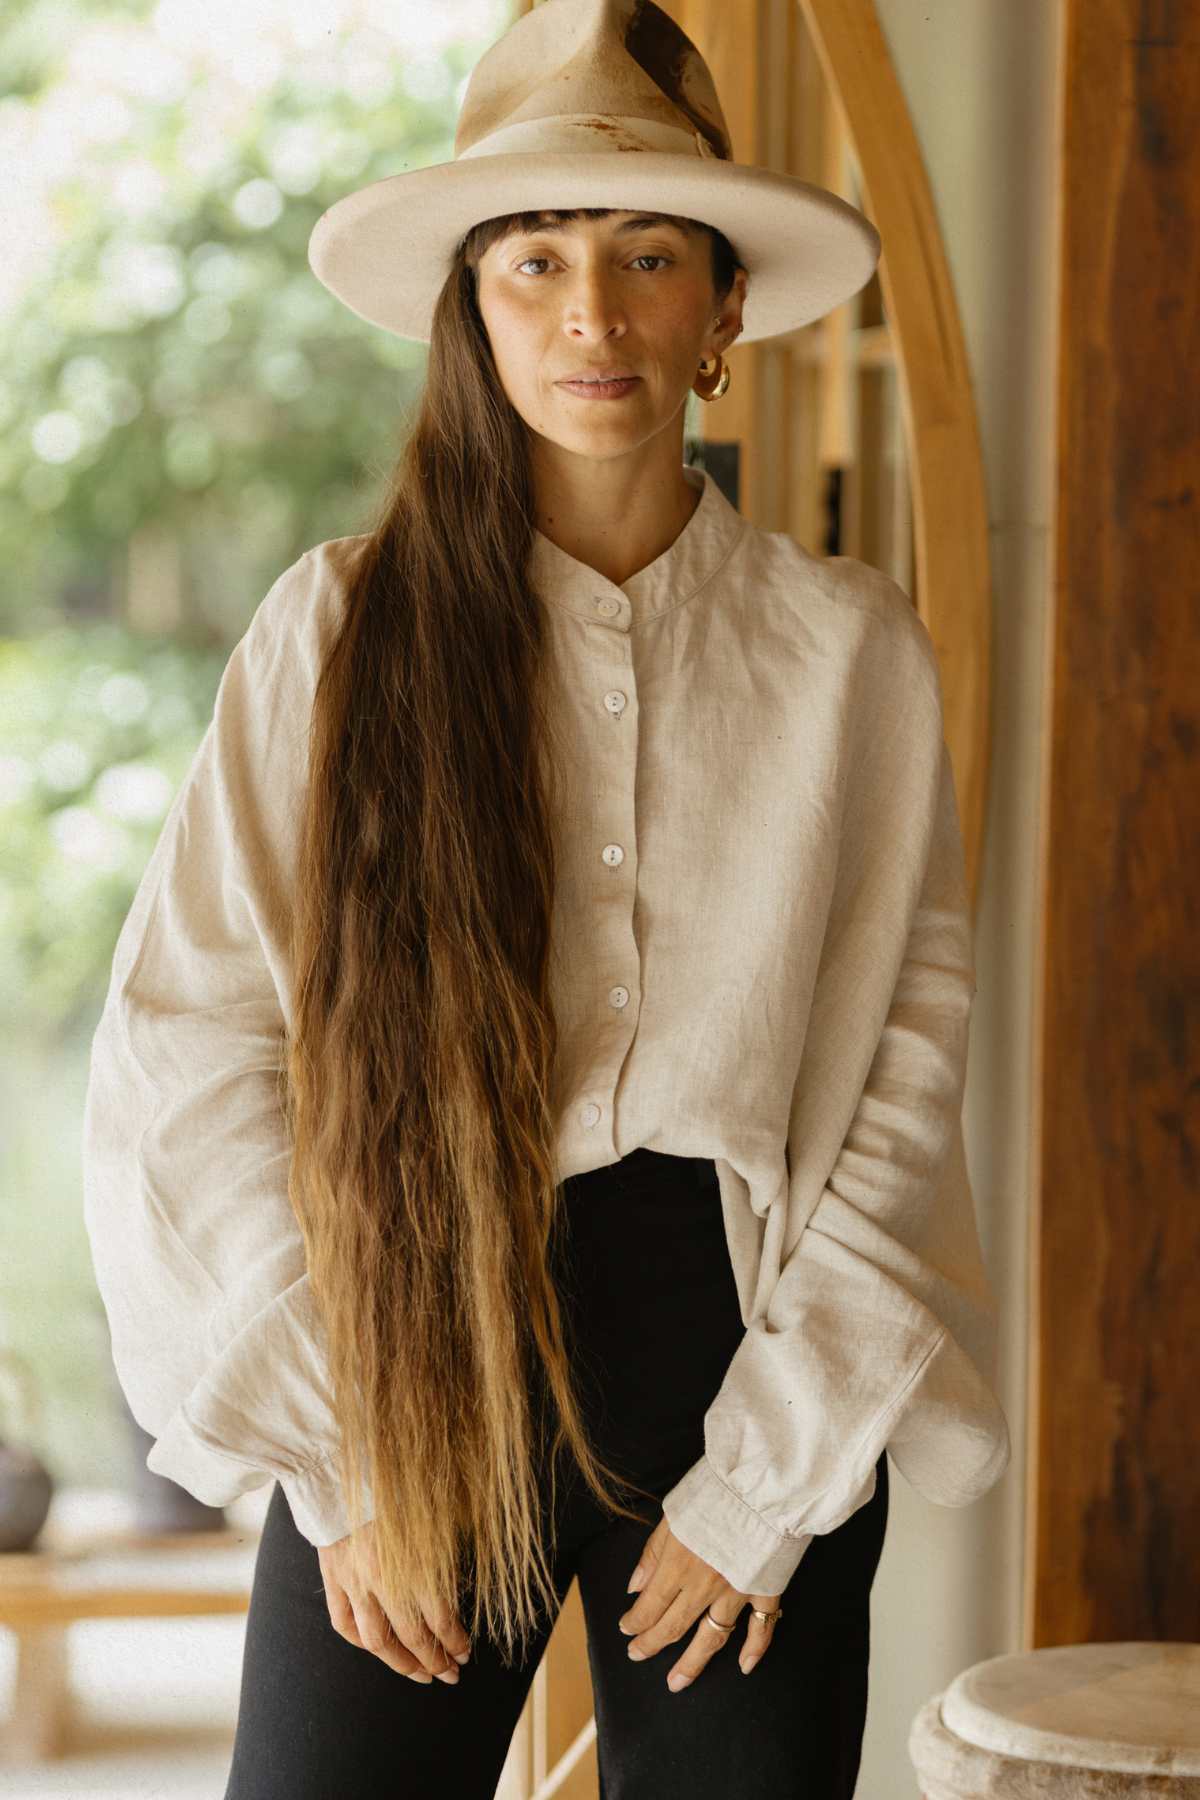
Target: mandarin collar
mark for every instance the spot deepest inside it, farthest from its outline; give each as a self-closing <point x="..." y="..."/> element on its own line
<point x="701" y="548"/>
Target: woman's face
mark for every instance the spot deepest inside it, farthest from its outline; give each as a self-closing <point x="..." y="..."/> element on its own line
<point x="627" y="292"/>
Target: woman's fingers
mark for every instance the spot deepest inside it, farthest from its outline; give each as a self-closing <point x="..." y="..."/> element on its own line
<point x="432" y="1638"/>
<point x="423" y="1648"/>
<point x="409" y="1646"/>
<point x="707" y="1643"/>
<point x="341" y="1613"/>
<point x="446" y="1626"/>
<point x="758" y="1635"/>
<point x="375" y="1634"/>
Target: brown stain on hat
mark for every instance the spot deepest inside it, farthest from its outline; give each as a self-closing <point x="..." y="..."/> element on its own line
<point x="510" y="83"/>
<point x="621" y="136"/>
<point x="658" y="45"/>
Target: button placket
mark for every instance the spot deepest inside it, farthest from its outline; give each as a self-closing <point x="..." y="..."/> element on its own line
<point x="612" y="773"/>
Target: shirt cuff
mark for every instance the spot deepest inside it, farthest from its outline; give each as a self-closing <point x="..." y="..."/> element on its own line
<point x="713" y="1522"/>
<point x="217" y="1476"/>
<point x="314" y="1497"/>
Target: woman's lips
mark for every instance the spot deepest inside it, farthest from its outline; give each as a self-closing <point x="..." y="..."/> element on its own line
<point x="601" y="390"/>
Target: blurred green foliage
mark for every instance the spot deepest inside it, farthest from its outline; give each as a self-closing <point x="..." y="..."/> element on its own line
<point x="174" y="366"/>
<point x="176" y="361"/>
<point x="96" y="733"/>
<point x="171" y="367"/>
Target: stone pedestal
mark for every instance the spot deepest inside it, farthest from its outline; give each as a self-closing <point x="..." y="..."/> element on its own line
<point x="1074" y="1722"/>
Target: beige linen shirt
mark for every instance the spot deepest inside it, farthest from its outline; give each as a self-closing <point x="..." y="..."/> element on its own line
<point x="761" y="954"/>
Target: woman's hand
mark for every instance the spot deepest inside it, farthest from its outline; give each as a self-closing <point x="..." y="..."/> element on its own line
<point x="420" y="1648"/>
<point x="676" y="1588"/>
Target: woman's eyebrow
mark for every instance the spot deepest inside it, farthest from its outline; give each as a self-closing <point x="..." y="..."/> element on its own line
<point x="639" y="223"/>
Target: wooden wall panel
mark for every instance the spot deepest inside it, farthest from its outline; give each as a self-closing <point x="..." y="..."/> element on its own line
<point x="1115" y="1371"/>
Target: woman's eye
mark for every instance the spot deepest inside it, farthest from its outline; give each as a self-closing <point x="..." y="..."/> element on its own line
<point x="647" y="256"/>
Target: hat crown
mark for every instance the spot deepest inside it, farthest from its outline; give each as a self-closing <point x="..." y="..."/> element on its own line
<point x="583" y="75"/>
<point x="567" y="88"/>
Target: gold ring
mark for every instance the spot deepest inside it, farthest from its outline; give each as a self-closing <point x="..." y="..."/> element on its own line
<point x="716" y="1623"/>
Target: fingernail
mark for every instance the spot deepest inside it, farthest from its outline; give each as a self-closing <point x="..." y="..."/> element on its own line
<point x="423" y="1677"/>
<point x="636" y="1580"/>
<point x="675" y="1682"/>
<point x="448" y="1675"/>
<point x="460" y="1656"/>
<point x="635" y="1654"/>
<point x="748" y="1664"/>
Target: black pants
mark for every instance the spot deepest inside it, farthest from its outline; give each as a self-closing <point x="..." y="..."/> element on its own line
<point x="644" y="1272"/>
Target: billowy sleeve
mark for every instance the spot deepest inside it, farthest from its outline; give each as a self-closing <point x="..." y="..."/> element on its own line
<point x="197" y="1253"/>
<point x="879" y="1332"/>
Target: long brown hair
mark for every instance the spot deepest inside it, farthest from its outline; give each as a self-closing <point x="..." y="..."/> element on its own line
<point x="417" y="1075"/>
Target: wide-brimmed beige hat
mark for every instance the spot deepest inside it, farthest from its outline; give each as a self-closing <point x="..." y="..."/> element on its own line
<point x="592" y="103"/>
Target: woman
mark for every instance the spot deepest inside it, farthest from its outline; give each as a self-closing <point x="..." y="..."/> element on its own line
<point x="586" y="862"/>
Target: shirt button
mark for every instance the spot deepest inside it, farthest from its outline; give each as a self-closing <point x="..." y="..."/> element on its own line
<point x="608" y="606"/>
<point x="618" y="996"/>
<point x="589" y="1114"/>
<point x="615" y="701"/>
<point x="612" y="855"/>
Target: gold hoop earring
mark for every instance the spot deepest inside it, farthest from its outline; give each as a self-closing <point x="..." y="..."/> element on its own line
<point x="712" y="382"/>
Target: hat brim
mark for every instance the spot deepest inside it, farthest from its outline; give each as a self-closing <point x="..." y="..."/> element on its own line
<point x="385" y="249"/>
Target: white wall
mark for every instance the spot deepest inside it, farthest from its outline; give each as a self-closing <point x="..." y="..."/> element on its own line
<point x="981" y="81"/>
